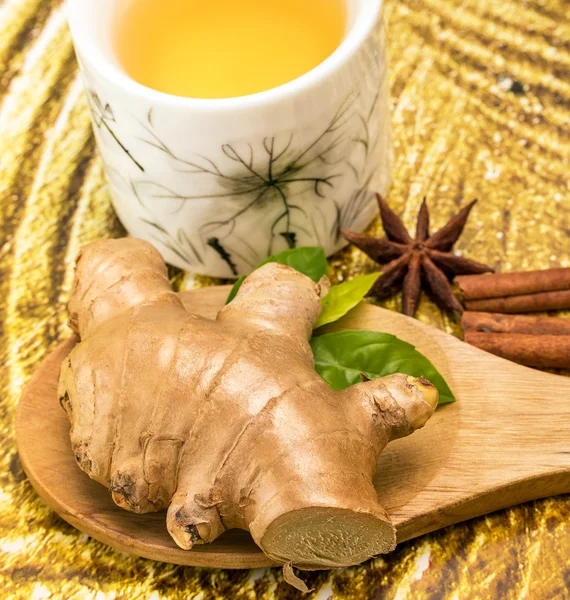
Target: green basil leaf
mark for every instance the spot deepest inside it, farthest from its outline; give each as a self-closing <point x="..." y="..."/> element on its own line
<point x="343" y="297"/>
<point x="341" y="357"/>
<point x="309" y="260"/>
<point x="235" y="289"/>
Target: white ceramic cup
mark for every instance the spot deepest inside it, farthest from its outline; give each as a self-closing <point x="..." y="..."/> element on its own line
<point x="219" y="185"/>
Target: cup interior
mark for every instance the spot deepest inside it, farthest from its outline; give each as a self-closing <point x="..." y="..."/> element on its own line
<point x="92" y="25"/>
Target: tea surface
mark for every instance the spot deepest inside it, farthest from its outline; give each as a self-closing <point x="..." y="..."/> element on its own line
<point x="225" y="48"/>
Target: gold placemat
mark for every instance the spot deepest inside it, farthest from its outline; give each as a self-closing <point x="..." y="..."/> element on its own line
<point x="481" y="108"/>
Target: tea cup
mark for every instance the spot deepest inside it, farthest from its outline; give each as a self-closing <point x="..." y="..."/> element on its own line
<point x="219" y="185"/>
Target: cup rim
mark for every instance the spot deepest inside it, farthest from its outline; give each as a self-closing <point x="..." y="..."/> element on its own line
<point x="359" y="32"/>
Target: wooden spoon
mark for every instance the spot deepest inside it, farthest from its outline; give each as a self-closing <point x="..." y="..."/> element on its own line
<point x="506" y="440"/>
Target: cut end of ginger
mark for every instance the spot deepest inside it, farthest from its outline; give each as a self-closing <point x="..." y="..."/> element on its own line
<point x="328" y="538"/>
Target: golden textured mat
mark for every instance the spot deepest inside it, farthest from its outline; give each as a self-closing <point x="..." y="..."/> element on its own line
<point x="481" y="108"/>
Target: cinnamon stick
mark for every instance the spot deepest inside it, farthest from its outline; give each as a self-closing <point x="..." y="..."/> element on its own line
<point x="505" y="323"/>
<point x="527" y="303"/>
<point x="500" y="285"/>
<point x="530" y="350"/>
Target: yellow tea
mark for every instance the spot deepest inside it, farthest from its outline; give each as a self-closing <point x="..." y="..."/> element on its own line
<point x="225" y="48"/>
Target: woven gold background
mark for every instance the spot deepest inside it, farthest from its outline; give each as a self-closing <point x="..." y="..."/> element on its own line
<point x="481" y="108"/>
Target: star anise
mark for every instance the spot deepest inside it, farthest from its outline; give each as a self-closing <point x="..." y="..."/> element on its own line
<point x="410" y="262"/>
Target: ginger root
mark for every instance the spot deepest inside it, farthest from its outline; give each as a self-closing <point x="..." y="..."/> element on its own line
<point x="225" y="422"/>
